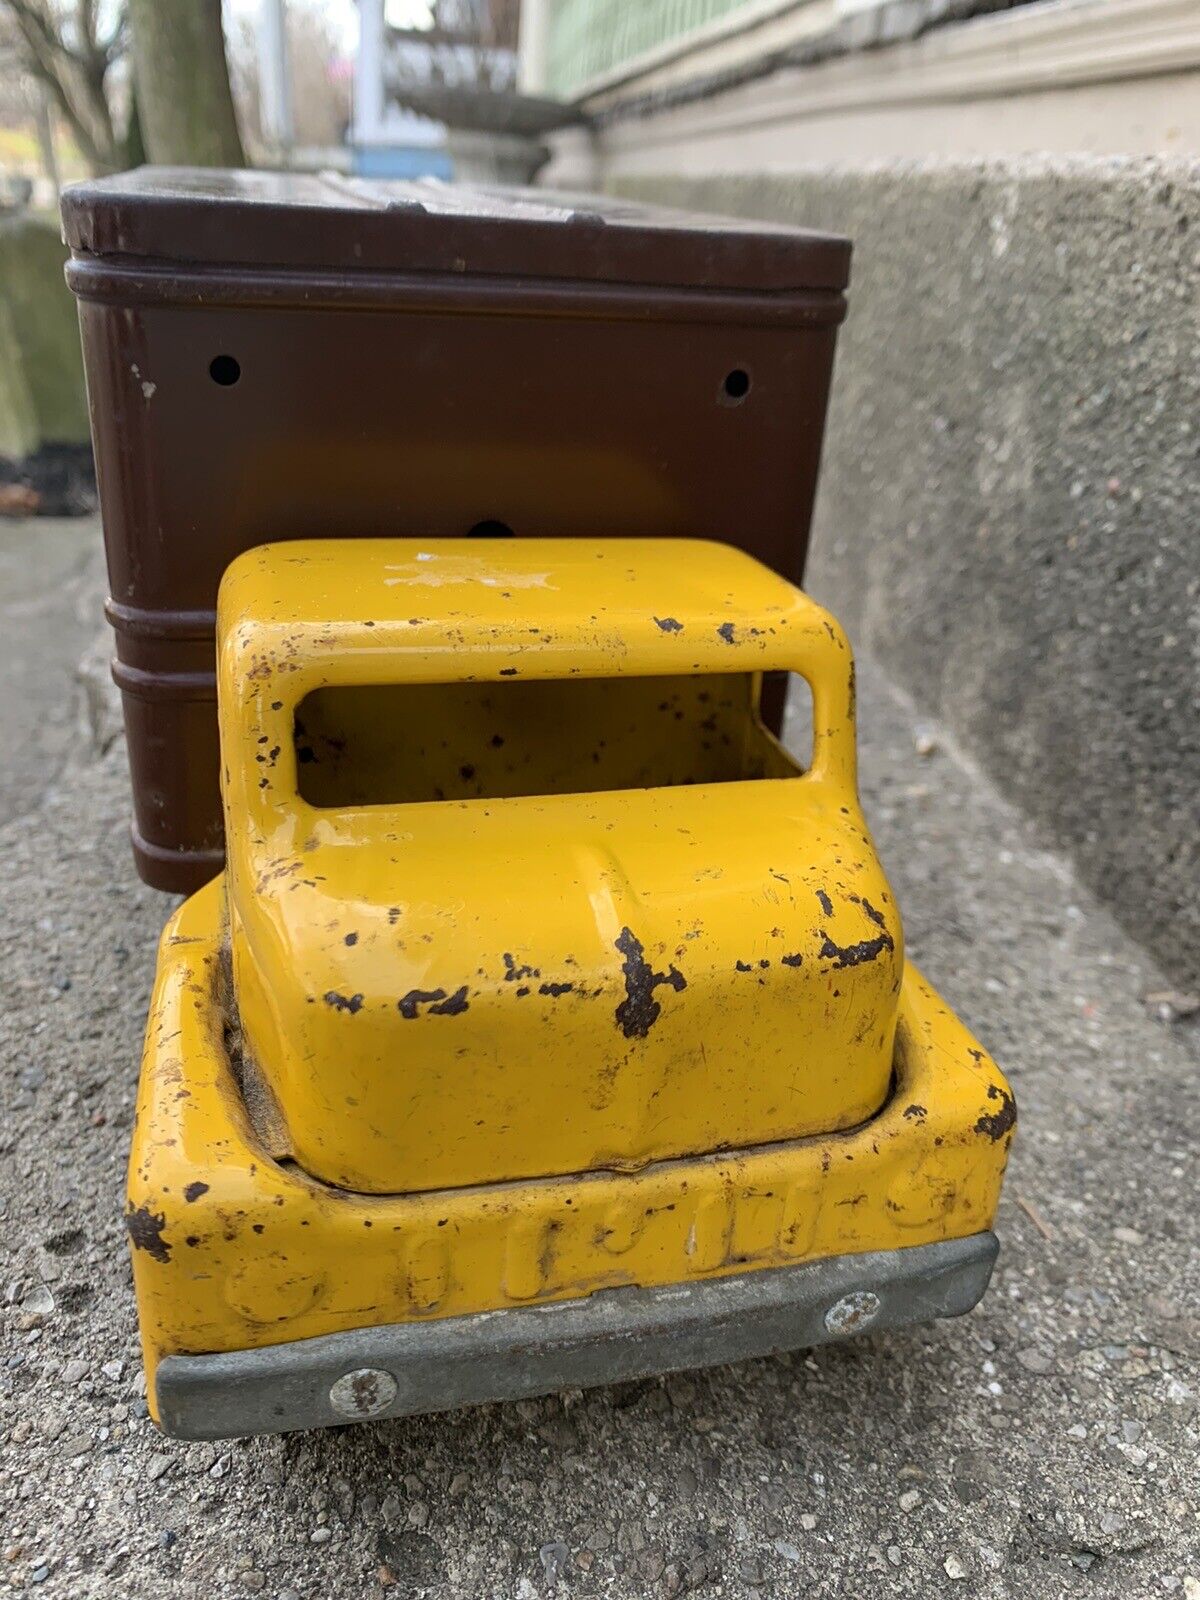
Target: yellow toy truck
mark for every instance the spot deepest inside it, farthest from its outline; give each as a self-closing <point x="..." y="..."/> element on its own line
<point x="549" y="1024"/>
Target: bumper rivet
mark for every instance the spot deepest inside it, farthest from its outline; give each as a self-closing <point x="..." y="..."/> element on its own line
<point x="365" y="1392"/>
<point x="852" y="1312"/>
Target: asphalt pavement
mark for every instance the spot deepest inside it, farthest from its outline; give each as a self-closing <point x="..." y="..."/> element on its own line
<point x="1046" y="1445"/>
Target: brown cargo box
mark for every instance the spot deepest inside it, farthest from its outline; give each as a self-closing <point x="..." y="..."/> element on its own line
<point x="278" y="356"/>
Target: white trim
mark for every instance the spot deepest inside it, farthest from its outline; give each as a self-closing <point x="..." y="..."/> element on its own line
<point x="1058" y="43"/>
<point x="367" y="119"/>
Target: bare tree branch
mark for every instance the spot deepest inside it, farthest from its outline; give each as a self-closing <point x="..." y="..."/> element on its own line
<point x="42" y="58"/>
<point x="36" y="27"/>
<point x="70" y="60"/>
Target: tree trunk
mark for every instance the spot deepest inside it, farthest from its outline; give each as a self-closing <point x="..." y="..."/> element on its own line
<point x="184" y="100"/>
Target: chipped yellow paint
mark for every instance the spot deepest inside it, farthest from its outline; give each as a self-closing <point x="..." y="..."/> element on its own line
<point x="532" y="873"/>
<point x="583" y="987"/>
<point x="265" y="1253"/>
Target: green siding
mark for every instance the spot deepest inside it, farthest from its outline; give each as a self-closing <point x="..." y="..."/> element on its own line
<point x="588" y="37"/>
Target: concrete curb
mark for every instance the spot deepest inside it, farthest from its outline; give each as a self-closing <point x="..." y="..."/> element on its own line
<point x="1007" y="513"/>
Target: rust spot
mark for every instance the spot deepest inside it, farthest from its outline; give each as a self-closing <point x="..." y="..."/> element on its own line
<point x="726" y="632"/>
<point x="743" y="966"/>
<point x="915" y="1112"/>
<point x="555" y="989"/>
<point x="513" y="972"/>
<point x="639" y="1010"/>
<point x="453" y="1006"/>
<point x="194" y="1191"/>
<point x="826" y="902"/>
<point x="856" y="955"/>
<point x="439" y="1002"/>
<point x="146" y="1232"/>
<point x="997" y="1123"/>
<point x="875" y="916"/>
<point x="795" y="960"/>
<point x="342" y="1002"/>
<point x="668" y="624"/>
<point x="351" y="938"/>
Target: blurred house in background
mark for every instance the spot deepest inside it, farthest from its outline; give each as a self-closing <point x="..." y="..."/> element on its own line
<point x="386" y="140"/>
<point x="441" y="97"/>
<point x="735" y="86"/>
<point x="397" y="88"/>
<point x="465" y="48"/>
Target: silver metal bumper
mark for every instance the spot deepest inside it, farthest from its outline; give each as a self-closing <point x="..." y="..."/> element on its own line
<point x="398" y="1369"/>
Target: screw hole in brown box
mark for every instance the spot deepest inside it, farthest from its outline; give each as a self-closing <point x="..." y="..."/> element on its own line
<point x="225" y="370"/>
<point x="736" y="385"/>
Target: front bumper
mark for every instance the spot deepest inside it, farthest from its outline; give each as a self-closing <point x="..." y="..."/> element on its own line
<point x="609" y="1337"/>
<point x="255" y="1281"/>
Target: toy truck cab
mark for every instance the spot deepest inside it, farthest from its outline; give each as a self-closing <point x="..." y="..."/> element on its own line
<point x="539" y="968"/>
<point x="519" y="884"/>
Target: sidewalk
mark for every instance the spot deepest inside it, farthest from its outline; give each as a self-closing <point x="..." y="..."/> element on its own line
<point x="1044" y="1446"/>
<point x="51" y="573"/>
